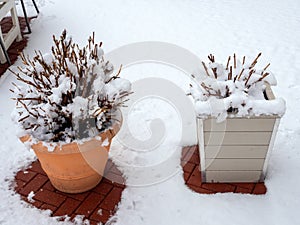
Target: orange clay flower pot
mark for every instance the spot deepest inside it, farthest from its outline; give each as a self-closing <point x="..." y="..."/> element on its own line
<point x="74" y="167"/>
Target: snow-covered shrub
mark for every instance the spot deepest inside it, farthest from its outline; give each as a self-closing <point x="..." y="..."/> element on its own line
<point x="69" y="94"/>
<point x="235" y="89"/>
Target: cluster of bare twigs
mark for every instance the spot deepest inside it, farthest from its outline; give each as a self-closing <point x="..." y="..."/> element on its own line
<point x="71" y="70"/>
<point x="241" y="74"/>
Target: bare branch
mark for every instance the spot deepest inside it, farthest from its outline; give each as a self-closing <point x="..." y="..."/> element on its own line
<point x="234" y="61"/>
<point x="227" y="62"/>
<point x="255" y="61"/>
<point x="203" y="63"/>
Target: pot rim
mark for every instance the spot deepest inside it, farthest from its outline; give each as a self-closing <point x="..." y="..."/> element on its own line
<point x="74" y="146"/>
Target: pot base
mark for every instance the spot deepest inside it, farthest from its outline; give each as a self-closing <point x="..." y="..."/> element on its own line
<point x="74" y="186"/>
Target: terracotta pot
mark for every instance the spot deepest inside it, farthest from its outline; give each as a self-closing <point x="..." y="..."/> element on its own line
<point x="73" y="167"/>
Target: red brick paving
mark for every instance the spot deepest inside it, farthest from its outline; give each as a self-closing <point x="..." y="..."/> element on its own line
<point x="16" y="47"/>
<point x="191" y="163"/>
<point x="97" y="205"/>
<point x="68" y="207"/>
<point x="113" y="196"/>
<point x="34" y="185"/>
<point x="101" y="215"/>
<point x="90" y="204"/>
<point x="25" y="176"/>
<point x="49" y="197"/>
<point x="100" y="203"/>
<point x="259" y="189"/>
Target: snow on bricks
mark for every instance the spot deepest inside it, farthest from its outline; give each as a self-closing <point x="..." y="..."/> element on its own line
<point x="97" y="205"/>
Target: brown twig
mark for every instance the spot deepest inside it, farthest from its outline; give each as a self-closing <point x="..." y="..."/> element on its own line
<point x="265" y="68"/>
<point x="230" y="74"/>
<point x="203" y="63"/>
<point x="234" y="61"/>
<point x="115" y="76"/>
<point x="23" y="118"/>
<point x="263" y="77"/>
<point x="211" y="58"/>
<point x="227" y="62"/>
<point x="248" y="78"/>
<point x="255" y="61"/>
<point x="239" y="76"/>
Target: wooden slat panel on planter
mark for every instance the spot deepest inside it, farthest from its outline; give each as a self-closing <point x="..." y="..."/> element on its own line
<point x="237" y="138"/>
<point x="240" y="124"/>
<point x="236" y="151"/>
<point x="234" y="164"/>
<point x="233" y="176"/>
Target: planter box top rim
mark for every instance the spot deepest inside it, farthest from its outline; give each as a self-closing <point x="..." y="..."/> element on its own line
<point x="234" y="116"/>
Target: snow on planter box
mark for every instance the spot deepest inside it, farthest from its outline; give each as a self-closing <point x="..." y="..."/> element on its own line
<point x="238" y="117"/>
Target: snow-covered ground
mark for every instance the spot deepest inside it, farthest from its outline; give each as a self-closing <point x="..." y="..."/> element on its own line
<point x="203" y="27"/>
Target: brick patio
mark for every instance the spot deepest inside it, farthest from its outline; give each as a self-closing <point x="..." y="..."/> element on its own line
<point x="97" y="205"/>
<point x="100" y="203"/>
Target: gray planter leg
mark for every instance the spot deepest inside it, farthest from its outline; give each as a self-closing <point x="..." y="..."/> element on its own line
<point x="25" y="13"/>
<point x="26" y="18"/>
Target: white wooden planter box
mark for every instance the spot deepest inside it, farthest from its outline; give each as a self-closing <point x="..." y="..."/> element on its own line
<point x="238" y="149"/>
